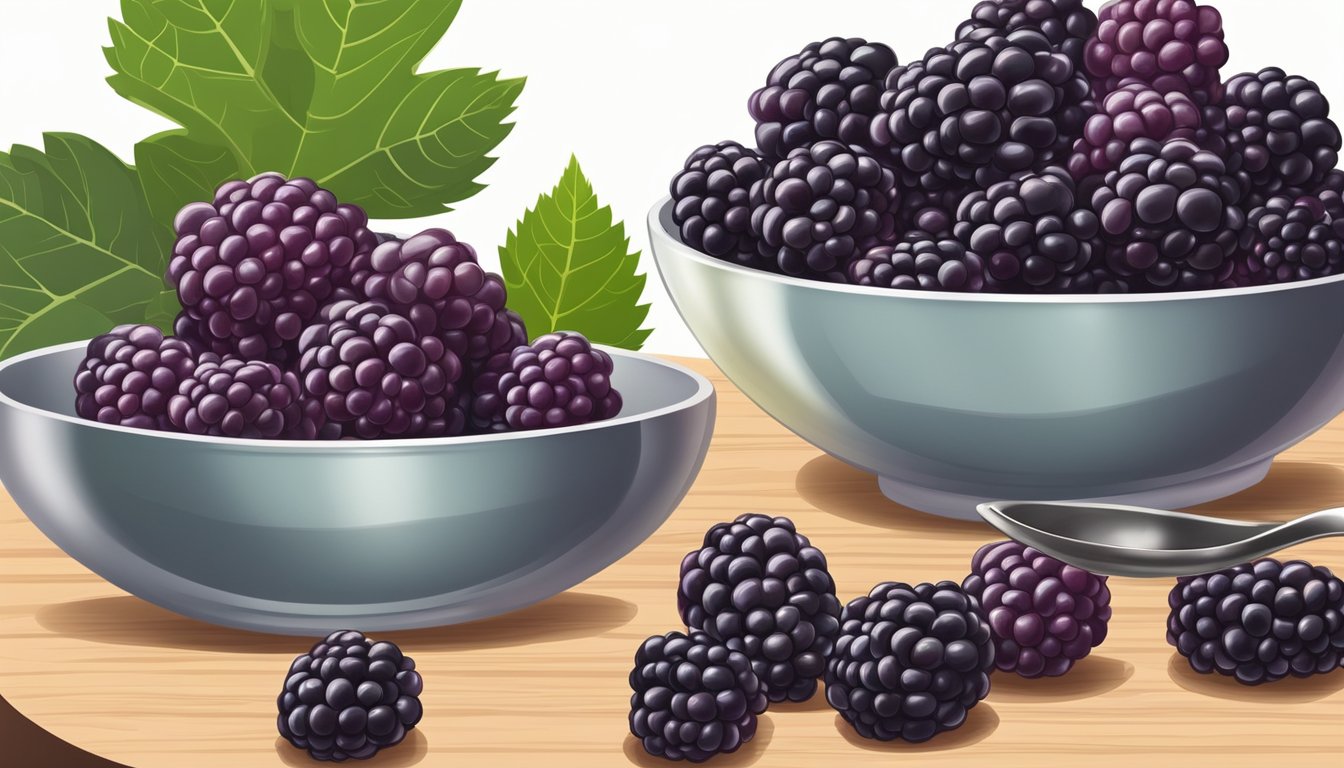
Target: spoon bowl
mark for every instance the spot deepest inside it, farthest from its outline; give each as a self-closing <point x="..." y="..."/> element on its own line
<point x="1120" y="540"/>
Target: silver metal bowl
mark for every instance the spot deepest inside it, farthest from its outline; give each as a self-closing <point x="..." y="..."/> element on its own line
<point x="305" y="537"/>
<point x="1157" y="400"/>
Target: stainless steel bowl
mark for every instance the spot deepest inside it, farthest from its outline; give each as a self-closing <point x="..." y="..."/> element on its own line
<point x="304" y="537"/>
<point x="1158" y="400"/>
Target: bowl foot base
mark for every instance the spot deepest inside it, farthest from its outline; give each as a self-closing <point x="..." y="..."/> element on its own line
<point x="960" y="506"/>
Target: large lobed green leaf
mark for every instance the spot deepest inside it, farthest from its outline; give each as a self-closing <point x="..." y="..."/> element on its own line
<point x="568" y="267"/>
<point x="79" y="251"/>
<point x="320" y="88"/>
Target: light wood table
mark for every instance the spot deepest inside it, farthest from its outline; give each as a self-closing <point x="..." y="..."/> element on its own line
<point x="546" y="686"/>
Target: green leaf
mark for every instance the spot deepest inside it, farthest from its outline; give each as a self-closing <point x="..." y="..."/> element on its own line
<point x="568" y="267"/>
<point x="79" y="251"/>
<point x="321" y="88"/>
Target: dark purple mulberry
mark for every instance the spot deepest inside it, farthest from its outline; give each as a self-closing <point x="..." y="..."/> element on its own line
<point x="712" y="202"/>
<point x="379" y="374"/>
<point x="1291" y="239"/>
<point x="349" y="697"/>
<point x="244" y="398"/>
<point x="129" y="374"/>
<point x="1044" y="615"/>
<point x="920" y="262"/>
<point x="910" y="661"/>
<point x="762" y="588"/>
<point x="559" y="380"/>
<point x="1171" y="45"/>
<point x="1131" y="112"/>
<point x="253" y="267"/>
<point x="1259" y="622"/>
<point x="829" y="91"/>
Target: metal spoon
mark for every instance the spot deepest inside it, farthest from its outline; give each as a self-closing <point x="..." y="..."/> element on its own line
<point x="1135" y="541"/>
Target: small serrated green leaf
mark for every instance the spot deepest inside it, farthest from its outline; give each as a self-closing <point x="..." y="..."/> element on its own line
<point x="79" y="250"/>
<point x="568" y="266"/>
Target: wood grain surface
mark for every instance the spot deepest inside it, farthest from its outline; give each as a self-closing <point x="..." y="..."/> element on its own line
<point x="546" y="686"/>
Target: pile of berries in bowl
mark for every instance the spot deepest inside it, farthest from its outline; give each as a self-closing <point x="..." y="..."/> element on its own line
<point x="1049" y="259"/>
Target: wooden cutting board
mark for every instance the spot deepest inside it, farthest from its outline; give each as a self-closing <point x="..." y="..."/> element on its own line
<point x="546" y="686"/>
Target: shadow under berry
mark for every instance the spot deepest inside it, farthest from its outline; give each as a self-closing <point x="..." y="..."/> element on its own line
<point x="1091" y="676"/>
<point x="747" y="754"/>
<point x="1289" y="690"/>
<point x="981" y="721"/>
<point x="410" y="751"/>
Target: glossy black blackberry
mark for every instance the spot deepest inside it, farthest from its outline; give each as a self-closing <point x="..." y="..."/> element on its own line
<point x="1294" y="239"/>
<point x="253" y="267"/>
<point x="1331" y="193"/>
<point x="1066" y="23"/>
<point x="821" y="207"/>
<point x="712" y="202"/>
<point x="1279" y="128"/>
<point x="1131" y="112"/>
<point x="244" y="398"/>
<point x="1097" y="279"/>
<point x="380" y="375"/>
<point x="349" y="697"/>
<point x="693" y="697"/>
<point x="1259" y="622"/>
<point x="1029" y="231"/>
<point x="559" y="380"/>
<point x="129" y="374"/>
<point x="760" y="587"/>
<point x="920" y="261"/>
<point x="910" y="661"/>
<point x="929" y="212"/>
<point x="980" y="111"/>
<point x="1044" y="615"/>
<point x="1171" y="45"/>
<point x="830" y="90"/>
<point x="1171" y="209"/>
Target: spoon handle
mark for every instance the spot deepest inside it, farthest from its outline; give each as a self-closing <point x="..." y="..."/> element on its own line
<point x="1317" y="525"/>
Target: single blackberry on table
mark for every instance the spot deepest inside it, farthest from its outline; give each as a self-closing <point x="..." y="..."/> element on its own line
<point x="129" y="374"/>
<point x="1066" y="23"/>
<point x="253" y="267"/>
<point x="910" y="661"/>
<point x="980" y="111"/>
<point x="349" y="697"/>
<point x="1259" y="622"/>
<point x="760" y="587"/>
<point x="1279" y="129"/>
<point x="1293" y="239"/>
<point x="559" y="380"/>
<point x="1171" y="45"/>
<point x="1044" y="615"/>
<point x="828" y="91"/>
<point x="711" y="199"/>
<point x="920" y="261"/>
<point x="244" y="398"/>
<point x="380" y="375"/>
<point x="1171" y="211"/>
<point x="823" y="206"/>
<point x="1131" y="112"/>
<point x="1029" y="230"/>
<point x="693" y="697"/>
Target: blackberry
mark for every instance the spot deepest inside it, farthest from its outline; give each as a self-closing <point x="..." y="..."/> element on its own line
<point x="379" y="374"/>
<point x="253" y="267"/>
<point x="1131" y="112"/>
<point x="1259" y="622"/>
<point x="1291" y="239"/>
<point x="244" y="398"/>
<point x="349" y="697"/>
<point x="1171" y="211"/>
<point x="1331" y="193"/>
<point x="693" y="697"/>
<point x="1044" y="615"/>
<point x="920" y="262"/>
<point x="830" y="90"/>
<point x="1029" y="230"/>
<point x="760" y="587"/>
<point x="1098" y="279"/>
<point x="1066" y="23"/>
<point x="929" y="212"/>
<point x="1170" y="45"/>
<point x="1279" y="129"/>
<point x="910" y="661"/>
<point x="712" y="202"/>
<point x="821" y="207"/>
<point x="980" y="111"/>
<point x="559" y="380"/>
<point x="129" y="374"/>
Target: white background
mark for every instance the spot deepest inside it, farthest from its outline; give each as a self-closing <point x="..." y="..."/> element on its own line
<point x="629" y="86"/>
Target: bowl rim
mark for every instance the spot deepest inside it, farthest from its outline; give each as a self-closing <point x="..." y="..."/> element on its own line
<point x="704" y="390"/>
<point x="661" y="227"/>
